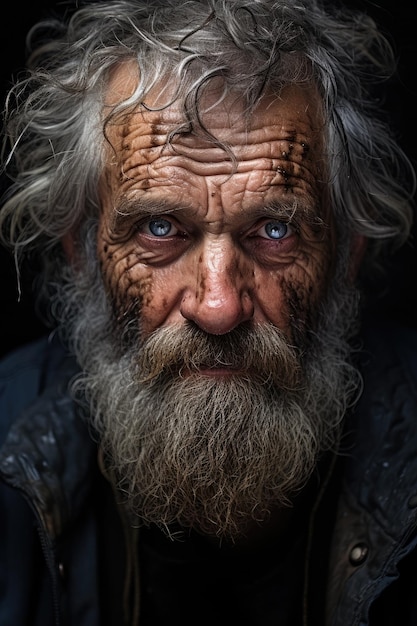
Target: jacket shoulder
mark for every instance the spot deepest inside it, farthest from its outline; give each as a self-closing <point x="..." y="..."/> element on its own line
<point x="376" y="513"/>
<point x="25" y="373"/>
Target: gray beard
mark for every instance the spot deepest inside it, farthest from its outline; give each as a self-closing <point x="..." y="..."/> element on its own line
<point x="215" y="455"/>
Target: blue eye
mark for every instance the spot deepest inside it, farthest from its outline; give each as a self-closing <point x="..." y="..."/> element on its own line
<point x="161" y="227"/>
<point x="274" y="230"/>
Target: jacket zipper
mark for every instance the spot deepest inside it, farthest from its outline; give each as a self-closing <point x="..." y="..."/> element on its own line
<point x="48" y="554"/>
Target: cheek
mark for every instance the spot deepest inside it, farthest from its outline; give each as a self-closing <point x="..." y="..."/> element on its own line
<point x="290" y="298"/>
<point x="120" y="277"/>
<point x="304" y="290"/>
<point x="299" y="299"/>
<point x="135" y="291"/>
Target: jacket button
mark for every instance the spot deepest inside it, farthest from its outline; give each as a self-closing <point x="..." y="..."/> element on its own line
<point x="61" y="570"/>
<point x="412" y="503"/>
<point x="358" y="554"/>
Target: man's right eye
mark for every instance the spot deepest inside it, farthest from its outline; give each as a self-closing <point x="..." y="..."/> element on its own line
<point x="159" y="227"/>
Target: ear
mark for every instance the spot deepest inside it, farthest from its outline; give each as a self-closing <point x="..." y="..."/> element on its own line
<point x="68" y="245"/>
<point x="357" y="250"/>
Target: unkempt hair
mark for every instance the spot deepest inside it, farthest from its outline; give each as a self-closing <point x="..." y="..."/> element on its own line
<point x="55" y="125"/>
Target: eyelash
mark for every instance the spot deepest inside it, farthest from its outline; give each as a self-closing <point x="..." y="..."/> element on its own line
<point x="145" y="227"/>
<point x="283" y="225"/>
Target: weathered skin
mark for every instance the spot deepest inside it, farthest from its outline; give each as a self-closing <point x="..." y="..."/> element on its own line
<point x="216" y="265"/>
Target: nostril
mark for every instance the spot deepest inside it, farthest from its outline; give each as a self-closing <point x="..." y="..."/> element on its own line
<point x="217" y="315"/>
<point x="219" y="299"/>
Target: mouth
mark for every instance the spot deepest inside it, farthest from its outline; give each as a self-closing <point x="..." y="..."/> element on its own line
<point x="213" y="371"/>
<point x="220" y="371"/>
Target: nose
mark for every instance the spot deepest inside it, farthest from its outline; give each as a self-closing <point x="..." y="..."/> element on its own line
<point x="219" y="298"/>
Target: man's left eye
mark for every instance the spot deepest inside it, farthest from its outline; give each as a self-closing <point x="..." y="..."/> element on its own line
<point x="160" y="227"/>
<point x="275" y="230"/>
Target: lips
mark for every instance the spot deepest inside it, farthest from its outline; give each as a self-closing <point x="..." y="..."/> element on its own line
<point x="220" y="371"/>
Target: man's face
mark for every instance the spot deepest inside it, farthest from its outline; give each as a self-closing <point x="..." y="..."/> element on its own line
<point x="188" y="238"/>
<point x="215" y="412"/>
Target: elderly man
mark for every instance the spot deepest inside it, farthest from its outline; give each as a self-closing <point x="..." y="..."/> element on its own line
<point x="208" y="435"/>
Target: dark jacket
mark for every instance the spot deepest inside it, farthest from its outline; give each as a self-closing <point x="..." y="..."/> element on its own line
<point x="56" y="509"/>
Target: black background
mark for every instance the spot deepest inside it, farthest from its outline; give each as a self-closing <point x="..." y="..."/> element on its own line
<point x="18" y="322"/>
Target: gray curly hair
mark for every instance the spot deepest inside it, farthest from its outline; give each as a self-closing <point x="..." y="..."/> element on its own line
<point x="55" y="127"/>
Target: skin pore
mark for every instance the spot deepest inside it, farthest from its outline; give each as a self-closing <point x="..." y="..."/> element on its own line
<point x="190" y="239"/>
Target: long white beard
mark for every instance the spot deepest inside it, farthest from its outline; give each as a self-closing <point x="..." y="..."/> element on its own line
<point x="209" y="454"/>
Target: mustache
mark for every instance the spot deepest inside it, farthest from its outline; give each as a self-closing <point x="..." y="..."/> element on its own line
<point x="260" y="352"/>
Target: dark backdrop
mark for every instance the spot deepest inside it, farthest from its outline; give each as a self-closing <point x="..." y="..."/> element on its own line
<point x="18" y="321"/>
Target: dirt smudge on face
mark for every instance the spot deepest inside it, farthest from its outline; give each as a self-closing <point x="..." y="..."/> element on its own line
<point x="302" y="315"/>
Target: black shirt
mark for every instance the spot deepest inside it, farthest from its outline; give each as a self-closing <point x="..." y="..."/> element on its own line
<point x="191" y="581"/>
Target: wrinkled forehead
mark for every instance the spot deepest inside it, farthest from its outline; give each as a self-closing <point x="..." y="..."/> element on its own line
<point x="296" y="112"/>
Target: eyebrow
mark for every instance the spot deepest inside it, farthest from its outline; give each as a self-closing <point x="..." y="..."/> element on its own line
<point x="295" y="211"/>
<point x="132" y="208"/>
<point x="282" y="208"/>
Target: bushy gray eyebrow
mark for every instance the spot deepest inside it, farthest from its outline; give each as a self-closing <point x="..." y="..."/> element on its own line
<point x="133" y="209"/>
<point x="290" y="212"/>
<point x="294" y="212"/>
